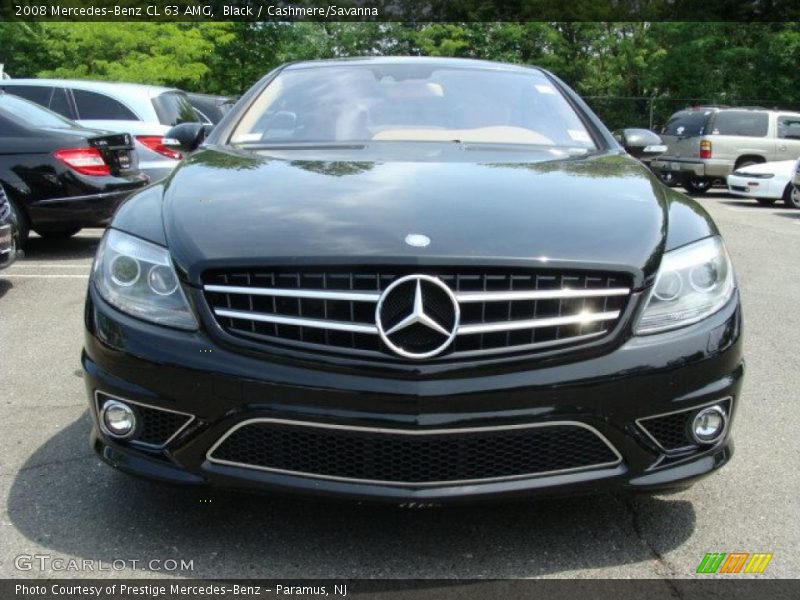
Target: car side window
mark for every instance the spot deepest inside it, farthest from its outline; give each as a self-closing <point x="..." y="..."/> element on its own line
<point x="35" y="93"/>
<point x="748" y="123"/>
<point x="60" y="103"/>
<point x="789" y="127"/>
<point x="92" y="105"/>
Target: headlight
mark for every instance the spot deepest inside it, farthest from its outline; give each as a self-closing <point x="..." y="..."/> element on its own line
<point x="693" y="282"/>
<point x="138" y="278"/>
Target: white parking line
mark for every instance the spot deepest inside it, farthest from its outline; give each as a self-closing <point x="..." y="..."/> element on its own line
<point x="26" y="265"/>
<point x="8" y="275"/>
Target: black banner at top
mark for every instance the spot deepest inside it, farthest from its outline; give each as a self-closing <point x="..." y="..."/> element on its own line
<point x="400" y="10"/>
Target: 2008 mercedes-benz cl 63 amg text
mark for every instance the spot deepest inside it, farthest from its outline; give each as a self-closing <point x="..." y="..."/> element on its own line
<point x="415" y="280"/>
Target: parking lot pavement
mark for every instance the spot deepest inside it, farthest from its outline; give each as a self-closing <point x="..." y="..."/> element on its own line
<point x="58" y="500"/>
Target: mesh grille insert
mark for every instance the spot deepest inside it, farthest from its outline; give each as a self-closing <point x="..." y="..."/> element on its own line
<point x="414" y="459"/>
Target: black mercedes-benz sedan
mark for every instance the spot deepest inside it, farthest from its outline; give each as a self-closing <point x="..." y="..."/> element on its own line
<point x="59" y="176"/>
<point x="414" y="280"/>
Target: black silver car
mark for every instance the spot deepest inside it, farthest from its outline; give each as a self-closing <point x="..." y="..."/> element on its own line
<point x="60" y="177"/>
<point x="415" y="280"/>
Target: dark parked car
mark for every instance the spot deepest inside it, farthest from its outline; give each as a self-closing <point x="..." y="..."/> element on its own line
<point x="210" y="109"/>
<point x="60" y="177"/>
<point x="414" y="280"/>
<point x="8" y="232"/>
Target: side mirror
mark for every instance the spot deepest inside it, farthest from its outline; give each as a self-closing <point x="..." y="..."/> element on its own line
<point x="641" y="143"/>
<point x="186" y="137"/>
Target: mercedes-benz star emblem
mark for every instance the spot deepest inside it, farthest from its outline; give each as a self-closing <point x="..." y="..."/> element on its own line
<point x="417" y="316"/>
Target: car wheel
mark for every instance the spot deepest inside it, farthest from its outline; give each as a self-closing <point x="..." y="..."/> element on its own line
<point x="58" y="234"/>
<point x="21" y="221"/>
<point x="791" y="197"/>
<point x="669" y="178"/>
<point x="766" y="201"/>
<point x="697" y="185"/>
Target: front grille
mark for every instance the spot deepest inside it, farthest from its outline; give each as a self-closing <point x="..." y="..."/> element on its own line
<point x="412" y="457"/>
<point x="158" y="426"/>
<point x="334" y="310"/>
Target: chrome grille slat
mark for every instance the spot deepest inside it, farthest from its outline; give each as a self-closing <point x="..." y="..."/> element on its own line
<point x="502" y="310"/>
<point x="299" y="321"/>
<point x="536" y="323"/>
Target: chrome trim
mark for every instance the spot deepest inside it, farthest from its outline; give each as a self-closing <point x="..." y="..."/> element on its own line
<point x="102" y="422"/>
<point x="137" y="403"/>
<point x="715" y="408"/>
<point x="682" y="449"/>
<point x="299" y="321"/>
<point x="99" y="196"/>
<point x="292" y="293"/>
<point x="511" y="348"/>
<point x="563" y="294"/>
<point x="411" y="432"/>
<point x="537" y="323"/>
<point x="418" y="316"/>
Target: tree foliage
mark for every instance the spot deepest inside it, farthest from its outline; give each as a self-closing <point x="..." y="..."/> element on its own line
<point x="674" y="63"/>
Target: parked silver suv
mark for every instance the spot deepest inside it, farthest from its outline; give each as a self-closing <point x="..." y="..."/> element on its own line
<point x="707" y="143"/>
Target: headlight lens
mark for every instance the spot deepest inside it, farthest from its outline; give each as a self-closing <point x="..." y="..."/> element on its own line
<point x="138" y="278"/>
<point x="693" y="282"/>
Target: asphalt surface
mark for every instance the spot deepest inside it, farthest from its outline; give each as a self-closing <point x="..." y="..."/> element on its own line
<point x="60" y="501"/>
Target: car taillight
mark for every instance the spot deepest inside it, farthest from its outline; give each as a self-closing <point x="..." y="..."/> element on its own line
<point x="705" y="149"/>
<point x="156" y="144"/>
<point x="86" y="161"/>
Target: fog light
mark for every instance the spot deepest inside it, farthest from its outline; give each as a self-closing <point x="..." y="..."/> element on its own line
<point x="118" y="419"/>
<point x="708" y="425"/>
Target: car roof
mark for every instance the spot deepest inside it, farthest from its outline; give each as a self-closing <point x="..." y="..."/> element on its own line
<point x="109" y="87"/>
<point x="717" y="108"/>
<point x="458" y="63"/>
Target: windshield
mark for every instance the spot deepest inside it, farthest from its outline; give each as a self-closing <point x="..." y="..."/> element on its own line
<point x="412" y="102"/>
<point x="688" y="123"/>
<point x="32" y="114"/>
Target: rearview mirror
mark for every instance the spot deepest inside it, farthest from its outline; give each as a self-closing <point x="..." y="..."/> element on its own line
<point x="641" y="143"/>
<point x="186" y="137"/>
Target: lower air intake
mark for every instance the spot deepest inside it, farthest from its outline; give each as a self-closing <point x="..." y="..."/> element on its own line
<point x="413" y="457"/>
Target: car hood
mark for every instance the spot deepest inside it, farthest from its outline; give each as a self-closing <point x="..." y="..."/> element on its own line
<point x="226" y="207"/>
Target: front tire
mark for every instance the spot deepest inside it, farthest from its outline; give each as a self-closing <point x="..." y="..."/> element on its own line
<point x="791" y="197"/>
<point x="697" y="186"/>
<point x="21" y="221"/>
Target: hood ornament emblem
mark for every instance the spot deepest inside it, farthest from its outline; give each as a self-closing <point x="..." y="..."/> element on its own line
<point x="417" y="240"/>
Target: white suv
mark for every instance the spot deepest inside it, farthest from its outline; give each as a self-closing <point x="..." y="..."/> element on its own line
<point x="707" y="143"/>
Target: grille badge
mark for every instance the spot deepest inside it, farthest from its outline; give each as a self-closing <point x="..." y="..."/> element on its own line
<point x="417" y="316"/>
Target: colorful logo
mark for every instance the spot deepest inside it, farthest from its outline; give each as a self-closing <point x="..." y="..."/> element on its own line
<point x="734" y="562"/>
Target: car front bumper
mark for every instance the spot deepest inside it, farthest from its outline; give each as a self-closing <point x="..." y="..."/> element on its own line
<point x="750" y="187"/>
<point x="221" y="388"/>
